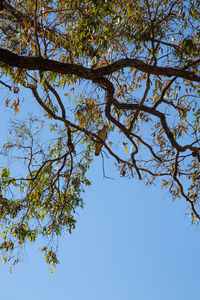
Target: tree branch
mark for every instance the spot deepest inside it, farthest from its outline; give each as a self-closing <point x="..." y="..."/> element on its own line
<point x="41" y="64"/>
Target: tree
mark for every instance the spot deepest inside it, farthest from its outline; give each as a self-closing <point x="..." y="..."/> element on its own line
<point x="132" y="66"/>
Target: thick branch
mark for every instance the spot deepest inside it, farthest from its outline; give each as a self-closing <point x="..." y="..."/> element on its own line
<point x="42" y="64"/>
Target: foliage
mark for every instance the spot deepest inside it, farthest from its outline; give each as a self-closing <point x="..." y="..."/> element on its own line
<point x="133" y="65"/>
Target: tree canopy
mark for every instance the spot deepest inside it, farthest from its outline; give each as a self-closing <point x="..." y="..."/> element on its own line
<point x="132" y="66"/>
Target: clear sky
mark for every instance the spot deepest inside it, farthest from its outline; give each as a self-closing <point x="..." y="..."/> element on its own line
<point x="131" y="242"/>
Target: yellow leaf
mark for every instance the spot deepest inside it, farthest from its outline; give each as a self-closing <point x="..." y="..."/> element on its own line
<point x="7" y="101"/>
<point x="110" y="144"/>
<point x="165" y="183"/>
<point x="128" y="7"/>
<point x="126" y="149"/>
<point x="185" y="23"/>
<point x="138" y="143"/>
<point x="16" y="110"/>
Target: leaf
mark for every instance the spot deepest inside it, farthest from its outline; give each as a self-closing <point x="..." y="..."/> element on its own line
<point x="16" y="110"/>
<point x="7" y="101"/>
<point x="66" y="94"/>
<point x="185" y="23"/>
<point x="165" y="183"/>
<point x="138" y="143"/>
<point x="110" y="144"/>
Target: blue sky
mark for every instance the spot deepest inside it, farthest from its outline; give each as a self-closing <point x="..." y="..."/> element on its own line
<point x="131" y="242"/>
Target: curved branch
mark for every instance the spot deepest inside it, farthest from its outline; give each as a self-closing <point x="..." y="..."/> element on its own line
<point x="41" y="64"/>
<point x="156" y="113"/>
